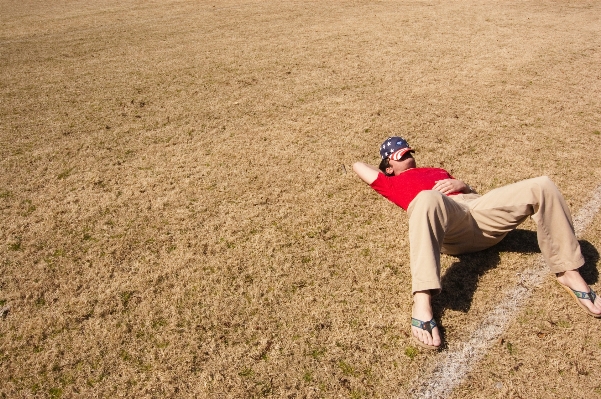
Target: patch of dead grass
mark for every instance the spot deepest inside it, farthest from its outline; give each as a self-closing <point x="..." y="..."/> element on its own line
<point x="179" y="216"/>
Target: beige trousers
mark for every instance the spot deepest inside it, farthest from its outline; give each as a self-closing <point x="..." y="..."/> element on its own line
<point x="470" y="222"/>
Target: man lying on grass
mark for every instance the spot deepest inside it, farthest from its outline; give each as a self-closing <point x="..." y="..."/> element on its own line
<point x="446" y="215"/>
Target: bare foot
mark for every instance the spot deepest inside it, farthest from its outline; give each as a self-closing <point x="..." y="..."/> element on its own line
<point x="422" y="310"/>
<point x="574" y="280"/>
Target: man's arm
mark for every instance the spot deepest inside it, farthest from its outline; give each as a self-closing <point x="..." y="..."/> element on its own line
<point x="448" y="186"/>
<point x="366" y="172"/>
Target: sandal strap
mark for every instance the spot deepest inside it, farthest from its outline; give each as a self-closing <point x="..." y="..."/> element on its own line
<point x="424" y="325"/>
<point x="591" y="295"/>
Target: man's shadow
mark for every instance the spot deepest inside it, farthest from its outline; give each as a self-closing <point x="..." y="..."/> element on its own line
<point x="460" y="281"/>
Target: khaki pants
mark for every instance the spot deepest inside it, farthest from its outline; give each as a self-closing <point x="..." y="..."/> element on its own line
<point x="470" y="222"/>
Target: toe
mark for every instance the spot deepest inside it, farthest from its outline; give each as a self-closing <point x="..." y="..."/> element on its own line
<point x="593" y="307"/>
<point x="421" y="335"/>
<point x="436" y="337"/>
<point x="596" y="307"/>
<point x="424" y="336"/>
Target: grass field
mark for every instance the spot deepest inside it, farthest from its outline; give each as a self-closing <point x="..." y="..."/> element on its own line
<point x="178" y="215"/>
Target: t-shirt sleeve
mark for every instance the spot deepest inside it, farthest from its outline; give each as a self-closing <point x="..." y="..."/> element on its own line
<point x="382" y="185"/>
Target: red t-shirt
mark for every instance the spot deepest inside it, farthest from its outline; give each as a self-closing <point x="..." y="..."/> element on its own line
<point x="401" y="189"/>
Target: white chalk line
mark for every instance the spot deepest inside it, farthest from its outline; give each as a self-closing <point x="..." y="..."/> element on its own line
<point x="454" y="364"/>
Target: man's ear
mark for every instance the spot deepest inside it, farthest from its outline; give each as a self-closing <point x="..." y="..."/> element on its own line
<point x="390" y="171"/>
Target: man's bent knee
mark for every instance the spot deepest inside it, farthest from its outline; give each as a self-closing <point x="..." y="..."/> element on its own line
<point x="545" y="183"/>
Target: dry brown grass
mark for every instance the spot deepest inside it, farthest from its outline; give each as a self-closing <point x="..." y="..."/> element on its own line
<point x="177" y="216"/>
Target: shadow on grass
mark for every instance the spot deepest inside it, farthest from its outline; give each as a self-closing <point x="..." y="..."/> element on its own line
<point x="460" y="281"/>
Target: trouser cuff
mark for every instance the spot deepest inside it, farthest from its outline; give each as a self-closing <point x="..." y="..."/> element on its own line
<point x="564" y="267"/>
<point x="433" y="286"/>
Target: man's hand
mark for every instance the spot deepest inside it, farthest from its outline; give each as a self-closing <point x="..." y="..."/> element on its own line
<point x="448" y="186"/>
